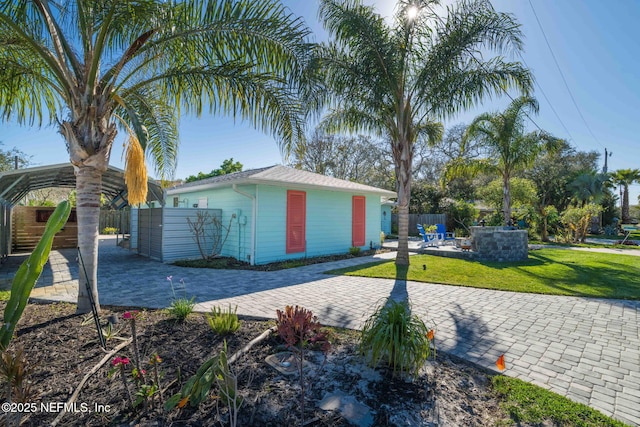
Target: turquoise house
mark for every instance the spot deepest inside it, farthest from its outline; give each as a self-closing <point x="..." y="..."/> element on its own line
<point x="385" y="225"/>
<point x="278" y="213"/>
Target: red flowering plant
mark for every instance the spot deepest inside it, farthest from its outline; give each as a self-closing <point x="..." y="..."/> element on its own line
<point x="299" y="328"/>
<point x="120" y="364"/>
<point x="154" y="361"/>
<point x="132" y="316"/>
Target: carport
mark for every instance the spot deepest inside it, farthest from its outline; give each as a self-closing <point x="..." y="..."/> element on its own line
<point x="15" y="184"/>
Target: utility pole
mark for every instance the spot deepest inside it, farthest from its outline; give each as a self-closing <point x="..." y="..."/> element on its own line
<point x="606" y="156"/>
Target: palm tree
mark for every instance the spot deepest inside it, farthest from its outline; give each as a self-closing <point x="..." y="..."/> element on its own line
<point x="588" y="187"/>
<point x="397" y="80"/>
<point x="509" y="148"/>
<point x="96" y="67"/>
<point x="625" y="178"/>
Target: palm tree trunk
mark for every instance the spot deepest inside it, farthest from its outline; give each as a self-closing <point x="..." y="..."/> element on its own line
<point x="89" y="189"/>
<point x="625" y="205"/>
<point x="545" y="225"/>
<point x="403" y="177"/>
<point x="506" y="199"/>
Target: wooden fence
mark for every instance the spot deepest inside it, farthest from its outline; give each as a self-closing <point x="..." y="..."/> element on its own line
<point x="415" y="219"/>
<point x="118" y="219"/>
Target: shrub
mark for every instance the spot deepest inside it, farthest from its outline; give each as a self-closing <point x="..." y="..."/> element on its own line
<point x="395" y="335"/>
<point x="460" y="214"/>
<point x="354" y="250"/>
<point x="223" y="322"/>
<point x="298" y="327"/>
<point x="577" y="221"/>
<point x="109" y="230"/>
<point x="181" y="308"/>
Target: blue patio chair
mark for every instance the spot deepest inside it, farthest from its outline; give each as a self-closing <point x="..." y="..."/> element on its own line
<point x="428" y="239"/>
<point x="443" y="235"/>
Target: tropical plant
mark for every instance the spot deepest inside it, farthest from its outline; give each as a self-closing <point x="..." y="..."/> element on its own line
<point x="625" y="178"/>
<point x="227" y="385"/>
<point x="215" y="370"/>
<point x="553" y="171"/>
<point x="588" y="187"/>
<point x="120" y="366"/>
<point x="181" y="307"/>
<point x="223" y="322"/>
<point x="461" y="214"/>
<point x="396" y="80"/>
<point x="576" y="222"/>
<point x="15" y="371"/>
<point x="94" y="67"/>
<point x="29" y="272"/>
<point x="394" y="335"/>
<point x="299" y="328"/>
<point x="109" y="230"/>
<point x="509" y="149"/>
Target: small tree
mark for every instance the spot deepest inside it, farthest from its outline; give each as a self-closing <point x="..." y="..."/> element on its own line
<point x="577" y="220"/>
<point x="461" y="214"/>
<point x="209" y="233"/>
<point x="228" y="166"/>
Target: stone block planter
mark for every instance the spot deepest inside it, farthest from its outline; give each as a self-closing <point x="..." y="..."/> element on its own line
<point x="499" y="244"/>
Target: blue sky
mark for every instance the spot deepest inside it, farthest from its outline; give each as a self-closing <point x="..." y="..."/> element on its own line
<point x="595" y="43"/>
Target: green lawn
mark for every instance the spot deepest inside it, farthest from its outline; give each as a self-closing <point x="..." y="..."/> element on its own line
<point x="532" y="405"/>
<point x="547" y="271"/>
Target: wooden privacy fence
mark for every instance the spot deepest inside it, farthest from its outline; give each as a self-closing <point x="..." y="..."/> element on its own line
<point x="425" y="219"/>
<point x="118" y="219"/>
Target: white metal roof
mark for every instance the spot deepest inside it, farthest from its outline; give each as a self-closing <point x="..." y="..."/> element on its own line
<point x="15" y="184"/>
<point x="280" y="176"/>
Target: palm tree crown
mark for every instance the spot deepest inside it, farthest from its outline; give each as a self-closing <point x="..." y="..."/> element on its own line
<point x="94" y="67"/>
<point x="509" y="148"/>
<point x="625" y="178"/>
<point x="397" y="80"/>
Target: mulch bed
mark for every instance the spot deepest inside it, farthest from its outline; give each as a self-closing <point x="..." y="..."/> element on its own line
<point x="228" y="263"/>
<point x="61" y="347"/>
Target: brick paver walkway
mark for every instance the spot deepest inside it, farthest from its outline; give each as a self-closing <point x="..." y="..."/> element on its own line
<point x="584" y="348"/>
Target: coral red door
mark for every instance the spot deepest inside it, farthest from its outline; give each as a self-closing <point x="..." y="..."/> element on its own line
<point x="296" y="221"/>
<point x="358" y="212"/>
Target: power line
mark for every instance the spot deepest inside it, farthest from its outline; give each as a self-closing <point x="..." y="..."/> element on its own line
<point x="564" y="80"/>
<point x="484" y="68"/>
<point x="549" y="102"/>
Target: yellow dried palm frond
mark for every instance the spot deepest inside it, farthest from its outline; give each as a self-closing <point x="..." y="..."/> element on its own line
<point x="135" y="172"/>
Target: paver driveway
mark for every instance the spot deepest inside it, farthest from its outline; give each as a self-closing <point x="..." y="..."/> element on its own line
<point x="586" y="349"/>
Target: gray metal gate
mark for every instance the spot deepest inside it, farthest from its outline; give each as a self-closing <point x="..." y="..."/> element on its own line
<point x="150" y="233"/>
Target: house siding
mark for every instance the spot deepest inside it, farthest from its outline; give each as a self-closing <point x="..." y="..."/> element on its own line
<point x="133" y="230"/>
<point x="328" y="224"/>
<point x="238" y="244"/>
<point x="386" y="219"/>
<point x="177" y="239"/>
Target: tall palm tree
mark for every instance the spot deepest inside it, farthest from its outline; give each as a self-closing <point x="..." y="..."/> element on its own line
<point x="94" y="67"/>
<point x="397" y="80"/>
<point x="509" y="148"/>
<point x="625" y="178"/>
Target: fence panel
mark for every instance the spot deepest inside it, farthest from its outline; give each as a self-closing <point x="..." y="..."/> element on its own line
<point x="425" y="219"/>
<point x="118" y="219"/>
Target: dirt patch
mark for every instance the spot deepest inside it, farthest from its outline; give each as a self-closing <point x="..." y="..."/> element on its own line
<point x="62" y="347"/>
